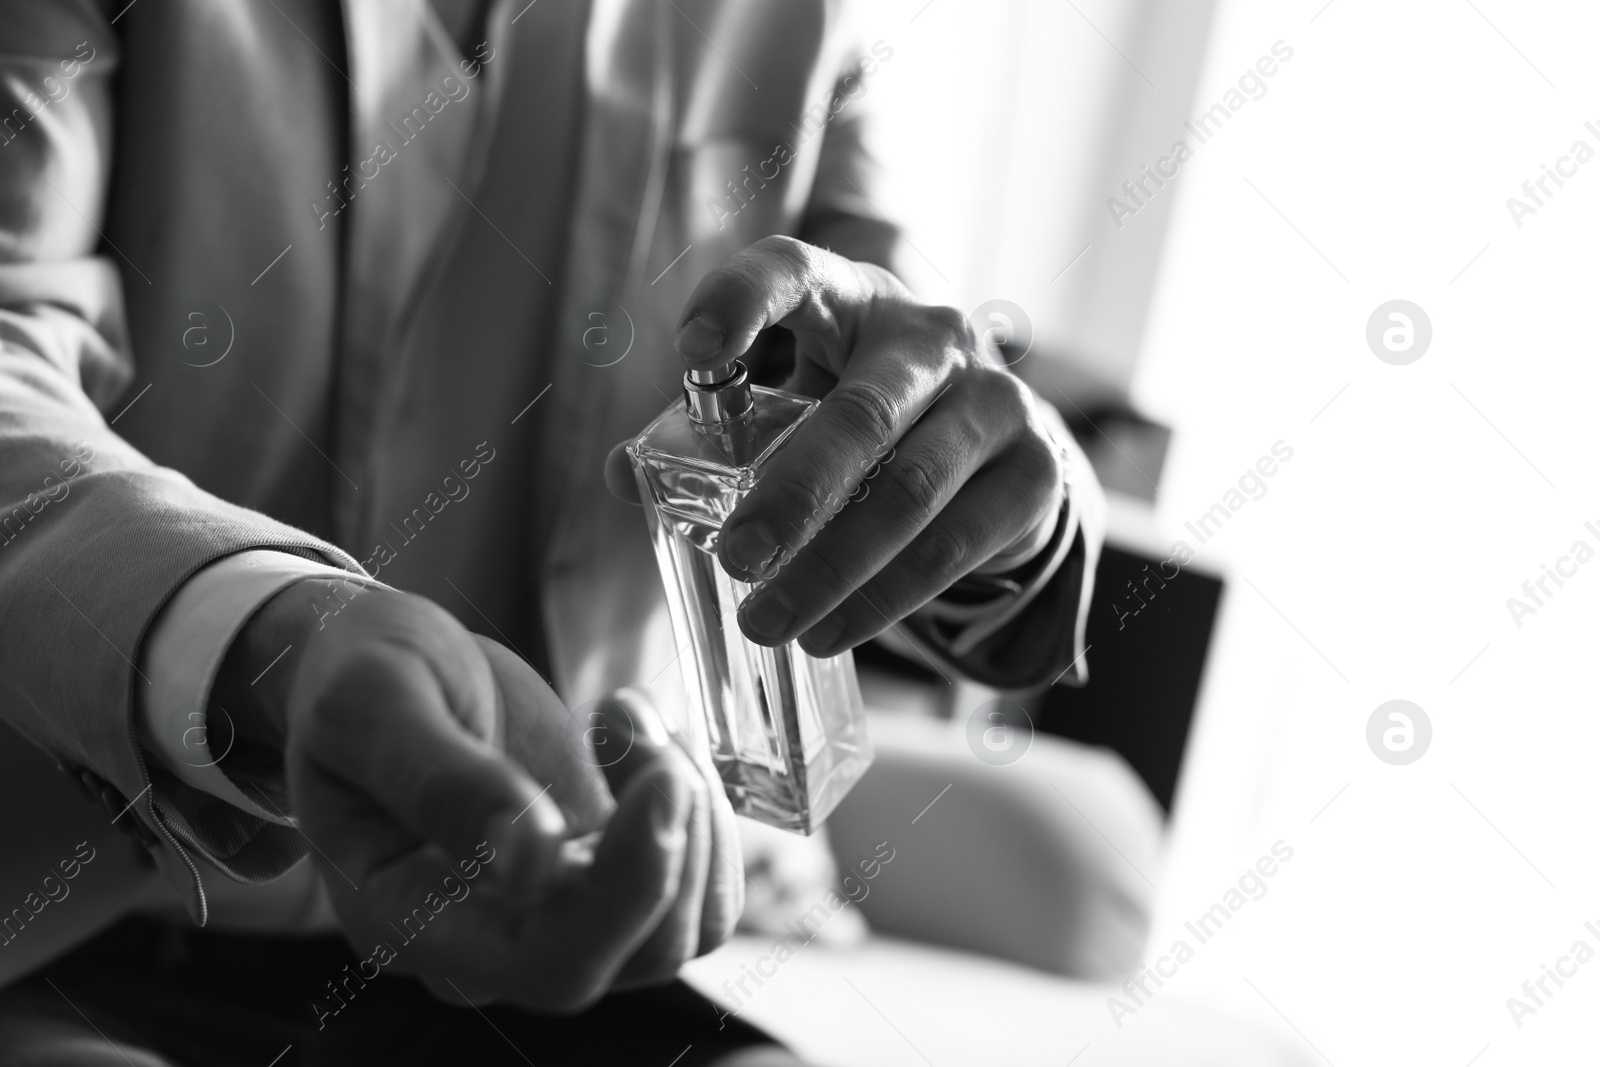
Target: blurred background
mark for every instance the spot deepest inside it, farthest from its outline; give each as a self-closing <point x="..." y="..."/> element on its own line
<point x="1426" y="484"/>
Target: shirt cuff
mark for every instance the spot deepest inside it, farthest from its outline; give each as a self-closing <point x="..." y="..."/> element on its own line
<point x="1026" y="627"/>
<point x="176" y="725"/>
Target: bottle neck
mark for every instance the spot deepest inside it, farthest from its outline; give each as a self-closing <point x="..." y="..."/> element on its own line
<point x="718" y="399"/>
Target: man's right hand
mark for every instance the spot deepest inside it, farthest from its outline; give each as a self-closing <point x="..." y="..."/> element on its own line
<point x="390" y="710"/>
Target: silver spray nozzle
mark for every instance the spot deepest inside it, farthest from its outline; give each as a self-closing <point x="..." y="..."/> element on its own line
<point x="717" y="395"/>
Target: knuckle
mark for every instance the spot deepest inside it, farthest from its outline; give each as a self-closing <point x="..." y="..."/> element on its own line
<point x="941" y="550"/>
<point x="868" y="410"/>
<point x="829" y="569"/>
<point x="920" y="484"/>
<point x="952" y="328"/>
<point x="743" y="276"/>
<point x="1008" y="404"/>
<point x="782" y="246"/>
<point x="884" y="285"/>
<point x="1009" y="394"/>
<point x="806" y="504"/>
<point x="1039" y="463"/>
<point x="778" y="257"/>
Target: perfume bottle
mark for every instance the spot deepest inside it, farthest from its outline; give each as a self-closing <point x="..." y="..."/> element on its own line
<point x="786" y="730"/>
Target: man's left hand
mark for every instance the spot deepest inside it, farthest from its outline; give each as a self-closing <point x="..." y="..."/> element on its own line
<point x="923" y="463"/>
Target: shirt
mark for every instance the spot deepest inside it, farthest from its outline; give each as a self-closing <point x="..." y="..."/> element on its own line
<point x="488" y="303"/>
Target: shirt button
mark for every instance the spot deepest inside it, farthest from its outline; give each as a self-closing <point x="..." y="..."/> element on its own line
<point x="74" y="774"/>
<point x="147" y="837"/>
<point x="123" y="817"/>
<point x="110" y="798"/>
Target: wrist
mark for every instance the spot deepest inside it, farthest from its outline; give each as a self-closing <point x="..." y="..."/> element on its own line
<point x="257" y="675"/>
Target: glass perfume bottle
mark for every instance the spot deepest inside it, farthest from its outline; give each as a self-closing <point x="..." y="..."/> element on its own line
<point x="786" y="730"/>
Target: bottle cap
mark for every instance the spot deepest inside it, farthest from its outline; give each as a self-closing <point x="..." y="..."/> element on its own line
<point x="717" y="395"/>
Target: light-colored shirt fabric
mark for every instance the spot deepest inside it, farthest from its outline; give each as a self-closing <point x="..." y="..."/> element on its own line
<point x="185" y="649"/>
<point x="409" y="470"/>
<point x="392" y="252"/>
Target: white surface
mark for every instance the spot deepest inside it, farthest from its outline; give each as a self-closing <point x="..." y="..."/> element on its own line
<point x="893" y="1003"/>
<point x="1392" y="540"/>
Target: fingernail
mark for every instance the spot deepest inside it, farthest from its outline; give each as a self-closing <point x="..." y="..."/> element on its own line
<point x="767" y="614"/>
<point x="820" y="639"/>
<point x="668" y="819"/>
<point x="512" y="861"/>
<point x="525" y="844"/>
<point x="700" y="339"/>
<point x="628" y="715"/>
<point x="753" y="548"/>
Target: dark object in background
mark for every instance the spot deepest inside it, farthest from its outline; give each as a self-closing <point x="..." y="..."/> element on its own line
<point x="1148" y="639"/>
<point x="1144" y="678"/>
<point x="1144" y="669"/>
<point x="1126" y="449"/>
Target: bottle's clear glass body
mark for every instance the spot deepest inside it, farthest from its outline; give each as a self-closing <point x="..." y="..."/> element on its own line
<point x="786" y="731"/>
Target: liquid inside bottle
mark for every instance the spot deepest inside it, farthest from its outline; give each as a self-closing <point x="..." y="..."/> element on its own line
<point x="786" y="730"/>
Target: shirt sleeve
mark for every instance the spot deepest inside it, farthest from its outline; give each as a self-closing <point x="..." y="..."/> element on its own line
<point x="1026" y="628"/>
<point x="187" y="737"/>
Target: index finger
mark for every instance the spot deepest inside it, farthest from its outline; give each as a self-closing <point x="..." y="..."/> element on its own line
<point x="891" y="358"/>
<point x="776" y="281"/>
